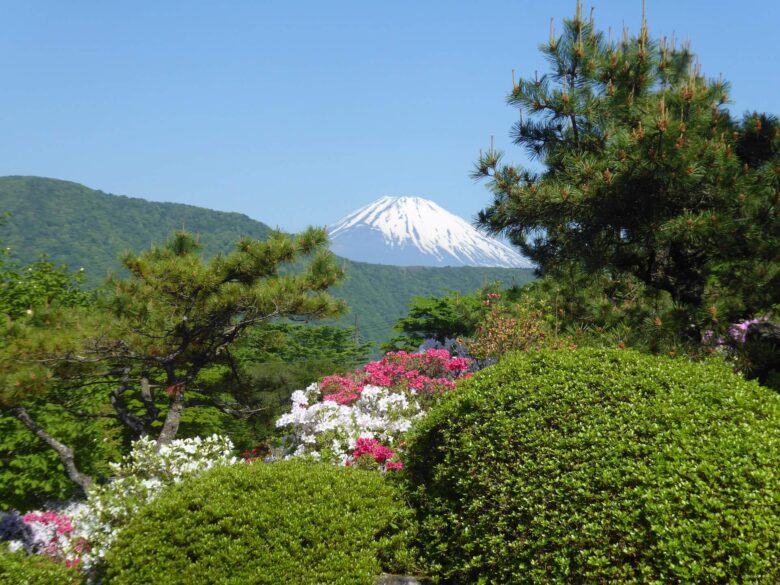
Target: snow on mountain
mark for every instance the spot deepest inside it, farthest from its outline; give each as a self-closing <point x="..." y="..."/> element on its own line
<point x="411" y="231"/>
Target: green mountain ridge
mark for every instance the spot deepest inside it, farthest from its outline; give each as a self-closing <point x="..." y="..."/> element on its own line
<point x="78" y="226"/>
<point x="82" y="227"/>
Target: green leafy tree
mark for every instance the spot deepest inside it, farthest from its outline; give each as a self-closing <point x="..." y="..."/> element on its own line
<point x="645" y="173"/>
<point x="37" y="284"/>
<point x="158" y="329"/>
<point x="31" y="472"/>
<point x="449" y="317"/>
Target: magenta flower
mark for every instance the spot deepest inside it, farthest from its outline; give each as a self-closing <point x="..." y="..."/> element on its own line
<point x="378" y="452"/>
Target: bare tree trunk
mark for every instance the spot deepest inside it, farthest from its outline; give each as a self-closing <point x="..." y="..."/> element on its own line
<point x="65" y="453"/>
<point x="173" y="418"/>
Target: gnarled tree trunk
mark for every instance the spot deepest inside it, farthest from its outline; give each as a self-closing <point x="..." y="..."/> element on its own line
<point x="173" y="418"/>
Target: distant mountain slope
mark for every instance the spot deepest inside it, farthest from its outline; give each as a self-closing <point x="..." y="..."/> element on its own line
<point x="379" y="295"/>
<point x="78" y="226"/>
<point x="412" y="231"/>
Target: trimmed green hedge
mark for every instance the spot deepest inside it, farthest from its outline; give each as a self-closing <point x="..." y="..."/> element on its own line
<point x="286" y="522"/>
<point x="20" y="569"/>
<point x="600" y="466"/>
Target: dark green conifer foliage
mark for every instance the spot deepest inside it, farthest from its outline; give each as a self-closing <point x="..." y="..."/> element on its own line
<point x="267" y="365"/>
<point x="143" y="347"/>
<point x="178" y="314"/>
<point x="645" y="172"/>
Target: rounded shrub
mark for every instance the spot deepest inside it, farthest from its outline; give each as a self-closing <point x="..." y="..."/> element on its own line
<point x="600" y="466"/>
<point x="18" y="568"/>
<point x="286" y="522"/>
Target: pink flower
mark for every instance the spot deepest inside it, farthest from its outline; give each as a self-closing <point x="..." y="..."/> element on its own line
<point x="378" y="452"/>
<point x="341" y="389"/>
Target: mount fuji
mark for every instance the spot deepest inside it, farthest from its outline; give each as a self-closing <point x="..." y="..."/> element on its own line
<point x="412" y="231"/>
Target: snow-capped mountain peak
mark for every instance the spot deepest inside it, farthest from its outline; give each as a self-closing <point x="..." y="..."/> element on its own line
<point x="412" y="231"/>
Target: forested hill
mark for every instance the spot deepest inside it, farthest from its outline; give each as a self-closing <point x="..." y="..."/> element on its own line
<point x="81" y="227"/>
<point x="378" y="295"/>
<point x="78" y="226"/>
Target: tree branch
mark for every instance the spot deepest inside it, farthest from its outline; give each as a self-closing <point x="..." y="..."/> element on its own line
<point x="65" y="453"/>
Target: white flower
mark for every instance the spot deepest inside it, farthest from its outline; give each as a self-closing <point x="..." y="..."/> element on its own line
<point x="139" y="478"/>
<point x="321" y="427"/>
<point x="299" y="398"/>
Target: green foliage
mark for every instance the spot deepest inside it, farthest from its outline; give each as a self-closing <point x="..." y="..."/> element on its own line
<point x="311" y="344"/>
<point x="600" y="466"/>
<point x="141" y="348"/>
<point x="646" y="174"/>
<point x="78" y="226"/>
<point x="177" y="313"/>
<point x="287" y="522"/>
<point x="379" y="295"/>
<point x="511" y="327"/>
<point x="272" y="361"/>
<point x="609" y="310"/>
<point x="22" y="288"/>
<point x="20" y="569"/>
<point x="31" y="474"/>
<point x="449" y="317"/>
<point x="94" y="228"/>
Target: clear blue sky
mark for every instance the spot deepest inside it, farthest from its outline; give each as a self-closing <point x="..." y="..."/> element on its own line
<point x="296" y="113"/>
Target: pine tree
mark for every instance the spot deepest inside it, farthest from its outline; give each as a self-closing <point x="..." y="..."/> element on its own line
<point x="645" y="172"/>
<point x="147" y="342"/>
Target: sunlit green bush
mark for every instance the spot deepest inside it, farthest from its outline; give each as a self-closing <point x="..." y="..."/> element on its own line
<point x="17" y="568"/>
<point x="600" y="466"/>
<point x="286" y="522"/>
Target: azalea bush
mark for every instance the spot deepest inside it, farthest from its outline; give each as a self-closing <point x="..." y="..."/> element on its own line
<point x="138" y="479"/>
<point x="291" y="522"/>
<point x="752" y="346"/>
<point x="50" y="533"/>
<point x="19" y="568"/>
<point x="81" y="532"/>
<point x="599" y="466"/>
<point x="360" y="418"/>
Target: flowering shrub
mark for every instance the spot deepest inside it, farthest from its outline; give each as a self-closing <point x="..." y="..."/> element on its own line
<point x="373" y="450"/>
<point x="324" y="429"/>
<point x="753" y="348"/>
<point x="360" y="418"/>
<point x="735" y="336"/>
<point x="50" y="534"/>
<point x="139" y="478"/>
<point x="738" y="331"/>
<point x="508" y="328"/>
<point x="83" y="531"/>
<point x="428" y="373"/>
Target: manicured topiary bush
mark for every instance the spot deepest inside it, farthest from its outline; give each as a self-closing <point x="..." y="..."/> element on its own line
<point x="285" y="522"/>
<point x="600" y="466"/>
<point x="18" y="568"/>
